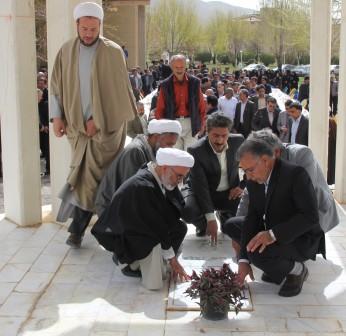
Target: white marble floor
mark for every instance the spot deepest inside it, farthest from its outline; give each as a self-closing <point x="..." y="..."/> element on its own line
<point x="48" y="289"/>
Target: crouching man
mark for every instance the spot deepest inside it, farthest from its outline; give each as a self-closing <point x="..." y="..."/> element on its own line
<point x="281" y="229"/>
<point x="142" y="226"/>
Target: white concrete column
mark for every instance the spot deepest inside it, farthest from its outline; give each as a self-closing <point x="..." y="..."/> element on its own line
<point x="60" y="28"/>
<point x="19" y="114"/>
<point x="320" y="45"/>
<point x="340" y="168"/>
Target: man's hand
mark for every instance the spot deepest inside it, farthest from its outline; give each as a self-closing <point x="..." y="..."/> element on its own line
<point x="90" y="128"/>
<point x="59" y="127"/>
<point x="235" y="193"/>
<point x="244" y="269"/>
<point x="212" y="231"/>
<point x="178" y="270"/>
<point x="261" y="240"/>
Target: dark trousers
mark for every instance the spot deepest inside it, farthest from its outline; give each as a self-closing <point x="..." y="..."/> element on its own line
<point x="44" y="146"/>
<point x="81" y="219"/>
<point x="177" y="235"/>
<point x="333" y="103"/>
<point x="232" y="227"/>
<point x="277" y="260"/>
<point x="192" y="213"/>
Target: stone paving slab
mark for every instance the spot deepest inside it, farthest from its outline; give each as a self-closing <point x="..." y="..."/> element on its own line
<point x="47" y="288"/>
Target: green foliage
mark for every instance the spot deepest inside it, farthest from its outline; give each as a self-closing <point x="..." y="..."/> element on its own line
<point x="174" y="27"/>
<point x="203" y="56"/>
<point x="267" y="59"/>
<point x="225" y="59"/>
<point x="335" y="60"/>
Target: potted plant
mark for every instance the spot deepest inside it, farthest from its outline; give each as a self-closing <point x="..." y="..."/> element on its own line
<point x="217" y="290"/>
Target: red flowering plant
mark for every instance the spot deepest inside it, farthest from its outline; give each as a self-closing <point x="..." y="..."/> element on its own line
<point x="216" y="288"/>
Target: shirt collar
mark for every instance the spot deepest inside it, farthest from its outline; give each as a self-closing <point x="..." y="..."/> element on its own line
<point x="185" y="79"/>
<point x="224" y="150"/>
<point x="298" y="120"/>
<point x="151" y="168"/>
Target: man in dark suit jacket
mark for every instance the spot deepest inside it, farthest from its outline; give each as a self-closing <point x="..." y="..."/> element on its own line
<point x="244" y="113"/>
<point x="260" y="99"/>
<point x="267" y="117"/>
<point x="147" y="81"/>
<point x="214" y="178"/>
<point x="298" y="125"/>
<point x="281" y="229"/>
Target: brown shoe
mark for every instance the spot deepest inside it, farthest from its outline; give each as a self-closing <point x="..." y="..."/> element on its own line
<point x="294" y="283"/>
<point x="74" y="240"/>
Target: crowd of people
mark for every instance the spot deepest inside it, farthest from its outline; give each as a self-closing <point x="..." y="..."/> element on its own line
<point x="215" y="150"/>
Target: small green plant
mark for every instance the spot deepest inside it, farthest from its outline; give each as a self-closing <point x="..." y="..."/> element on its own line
<point x="216" y="288"/>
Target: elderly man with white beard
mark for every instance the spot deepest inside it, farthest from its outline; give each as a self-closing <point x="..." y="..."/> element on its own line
<point x="142" y="225"/>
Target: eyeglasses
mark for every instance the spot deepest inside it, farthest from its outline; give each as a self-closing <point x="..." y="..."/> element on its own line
<point x="250" y="170"/>
<point x="178" y="176"/>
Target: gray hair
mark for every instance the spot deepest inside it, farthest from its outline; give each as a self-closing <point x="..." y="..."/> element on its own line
<point x="219" y="119"/>
<point x="255" y="147"/>
<point x="177" y="57"/>
<point x="267" y="136"/>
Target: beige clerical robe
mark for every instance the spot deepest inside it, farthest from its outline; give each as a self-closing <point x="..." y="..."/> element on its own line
<point x="113" y="104"/>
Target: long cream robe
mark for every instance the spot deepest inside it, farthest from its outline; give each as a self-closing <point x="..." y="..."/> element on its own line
<point x="113" y="105"/>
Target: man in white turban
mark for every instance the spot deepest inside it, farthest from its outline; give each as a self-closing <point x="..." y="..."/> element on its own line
<point x="142" y="225"/>
<point x="142" y="149"/>
<point x="91" y="101"/>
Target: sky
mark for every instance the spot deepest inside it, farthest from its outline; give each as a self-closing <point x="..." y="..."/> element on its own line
<point x="253" y="4"/>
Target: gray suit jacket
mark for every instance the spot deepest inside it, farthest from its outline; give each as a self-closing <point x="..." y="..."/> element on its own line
<point x="303" y="156"/>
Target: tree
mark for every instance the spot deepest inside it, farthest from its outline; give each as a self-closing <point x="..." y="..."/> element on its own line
<point x="173" y="26"/>
<point x="286" y="24"/>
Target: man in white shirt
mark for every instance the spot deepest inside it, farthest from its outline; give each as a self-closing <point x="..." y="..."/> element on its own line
<point x="228" y="103"/>
<point x="214" y="179"/>
<point x="298" y="125"/>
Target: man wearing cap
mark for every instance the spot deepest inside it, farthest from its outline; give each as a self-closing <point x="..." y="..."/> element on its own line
<point x="142" y="223"/>
<point x="142" y="149"/>
<point x="91" y="101"/>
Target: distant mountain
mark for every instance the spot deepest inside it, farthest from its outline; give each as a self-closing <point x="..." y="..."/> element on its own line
<point x="206" y="10"/>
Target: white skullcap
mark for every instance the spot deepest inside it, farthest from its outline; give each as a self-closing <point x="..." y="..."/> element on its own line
<point x="88" y="9"/>
<point x="164" y="126"/>
<point x="174" y="157"/>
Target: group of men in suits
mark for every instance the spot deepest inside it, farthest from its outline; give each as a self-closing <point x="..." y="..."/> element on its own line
<point x="248" y="119"/>
<point x="282" y="227"/>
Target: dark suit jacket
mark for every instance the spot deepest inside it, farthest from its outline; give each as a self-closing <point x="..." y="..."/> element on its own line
<point x="290" y="209"/>
<point x="147" y="87"/>
<point x="261" y="120"/>
<point x="249" y="112"/>
<point x="206" y="172"/>
<point x="254" y="99"/>
<point x="302" y="136"/>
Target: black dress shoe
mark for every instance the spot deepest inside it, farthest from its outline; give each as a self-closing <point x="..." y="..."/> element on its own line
<point x="74" y="240"/>
<point x="131" y="273"/>
<point x="293" y="283"/>
<point x="201" y="232"/>
<point x="266" y="278"/>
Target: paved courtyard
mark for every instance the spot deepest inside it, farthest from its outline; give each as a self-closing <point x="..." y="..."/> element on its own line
<point x="47" y="288"/>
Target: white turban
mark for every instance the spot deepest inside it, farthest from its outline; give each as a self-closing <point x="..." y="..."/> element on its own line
<point x="164" y="126"/>
<point x="88" y="9"/>
<point x="174" y="157"/>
